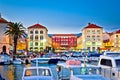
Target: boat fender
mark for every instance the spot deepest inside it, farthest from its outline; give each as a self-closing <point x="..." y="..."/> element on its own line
<point x="113" y="74"/>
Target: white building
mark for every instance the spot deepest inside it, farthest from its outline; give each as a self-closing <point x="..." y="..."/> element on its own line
<point x="92" y="37"/>
<point x="37" y="35"/>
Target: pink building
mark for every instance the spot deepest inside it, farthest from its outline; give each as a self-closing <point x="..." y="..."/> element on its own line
<point x="4" y="39"/>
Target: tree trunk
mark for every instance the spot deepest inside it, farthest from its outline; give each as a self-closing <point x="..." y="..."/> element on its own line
<point x="15" y="45"/>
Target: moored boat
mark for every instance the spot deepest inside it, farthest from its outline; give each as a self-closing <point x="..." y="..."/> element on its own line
<point x="37" y="73"/>
<point x="79" y="71"/>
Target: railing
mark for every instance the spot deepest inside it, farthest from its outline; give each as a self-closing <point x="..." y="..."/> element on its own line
<point x="112" y="73"/>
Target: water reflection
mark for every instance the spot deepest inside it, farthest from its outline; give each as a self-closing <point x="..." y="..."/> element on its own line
<point x="15" y="72"/>
<point x="10" y="72"/>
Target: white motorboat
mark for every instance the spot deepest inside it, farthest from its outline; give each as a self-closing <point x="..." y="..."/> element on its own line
<point x="110" y="64"/>
<point x="5" y="59"/>
<point x="40" y="60"/>
<point x="37" y="73"/>
<point x="79" y="71"/>
<point x="17" y="61"/>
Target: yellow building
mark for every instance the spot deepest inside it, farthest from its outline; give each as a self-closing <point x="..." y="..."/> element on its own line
<point x="107" y="43"/>
<point x="92" y="37"/>
<point x="37" y="35"/>
<point x="21" y="45"/>
<point x="79" y="43"/>
<point x="115" y="39"/>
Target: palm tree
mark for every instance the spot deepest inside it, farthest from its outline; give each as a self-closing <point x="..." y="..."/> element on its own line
<point x="16" y="30"/>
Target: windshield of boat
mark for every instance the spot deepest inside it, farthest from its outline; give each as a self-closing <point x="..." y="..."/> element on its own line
<point x="117" y="63"/>
<point x="41" y="72"/>
<point x="86" y="70"/>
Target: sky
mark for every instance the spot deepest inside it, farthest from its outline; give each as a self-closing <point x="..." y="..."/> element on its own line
<point x="63" y="16"/>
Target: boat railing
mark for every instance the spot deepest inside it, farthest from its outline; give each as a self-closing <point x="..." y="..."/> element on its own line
<point x="111" y="72"/>
<point x="78" y="71"/>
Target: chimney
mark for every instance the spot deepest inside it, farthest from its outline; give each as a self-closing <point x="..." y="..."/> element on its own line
<point x="89" y="23"/>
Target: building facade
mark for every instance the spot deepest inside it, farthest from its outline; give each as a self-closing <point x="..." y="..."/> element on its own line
<point x="37" y="35"/>
<point x="4" y="39"/>
<point x="92" y="37"/>
<point x="62" y="42"/>
<point x="115" y="40"/>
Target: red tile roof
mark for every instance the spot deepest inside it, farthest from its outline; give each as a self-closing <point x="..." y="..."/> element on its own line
<point x="37" y="26"/>
<point x="118" y="31"/>
<point x="3" y="20"/>
<point x="92" y="26"/>
<point x="64" y="35"/>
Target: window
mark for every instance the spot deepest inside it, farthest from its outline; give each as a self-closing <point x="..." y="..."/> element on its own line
<point x="93" y="38"/>
<point x="98" y="38"/>
<point x="36" y="48"/>
<point x="93" y="48"/>
<point x="36" y="43"/>
<point x="117" y="62"/>
<point x="88" y="38"/>
<point x="36" y="37"/>
<point x="93" y="43"/>
<point x="41" y="48"/>
<point x="88" y="31"/>
<point x="106" y="62"/>
<point x="93" y="31"/>
<point x="31" y="48"/>
<point x="98" y="31"/>
<point x="31" y="32"/>
<point x="31" y="37"/>
<point x="31" y="43"/>
<point x="88" y="48"/>
<point x="41" y="32"/>
<point x="36" y="32"/>
<point x="41" y="37"/>
<point x="41" y="44"/>
<point x="116" y="35"/>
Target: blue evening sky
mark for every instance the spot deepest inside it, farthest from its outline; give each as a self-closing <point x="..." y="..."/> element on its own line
<point x="63" y="16"/>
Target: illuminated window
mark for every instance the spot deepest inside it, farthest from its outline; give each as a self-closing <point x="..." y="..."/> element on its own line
<point x="31" y="43"/>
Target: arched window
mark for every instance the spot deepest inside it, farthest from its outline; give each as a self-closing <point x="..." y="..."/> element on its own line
<point x="41" y="32"/>
<point x="41" y="37"/>
<point x="36" y="37"/>
<point x="36" y="32"/>
<point x="31" y="32"/>
<point x="31" y="37"/>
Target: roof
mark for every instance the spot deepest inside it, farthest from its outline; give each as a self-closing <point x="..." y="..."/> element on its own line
<point x="64" y="34"/>
<point x="37" y="26"/>
<point x="118" y="31"/>
<point x="2" y="20"/>
<point x="92" y="26"/>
